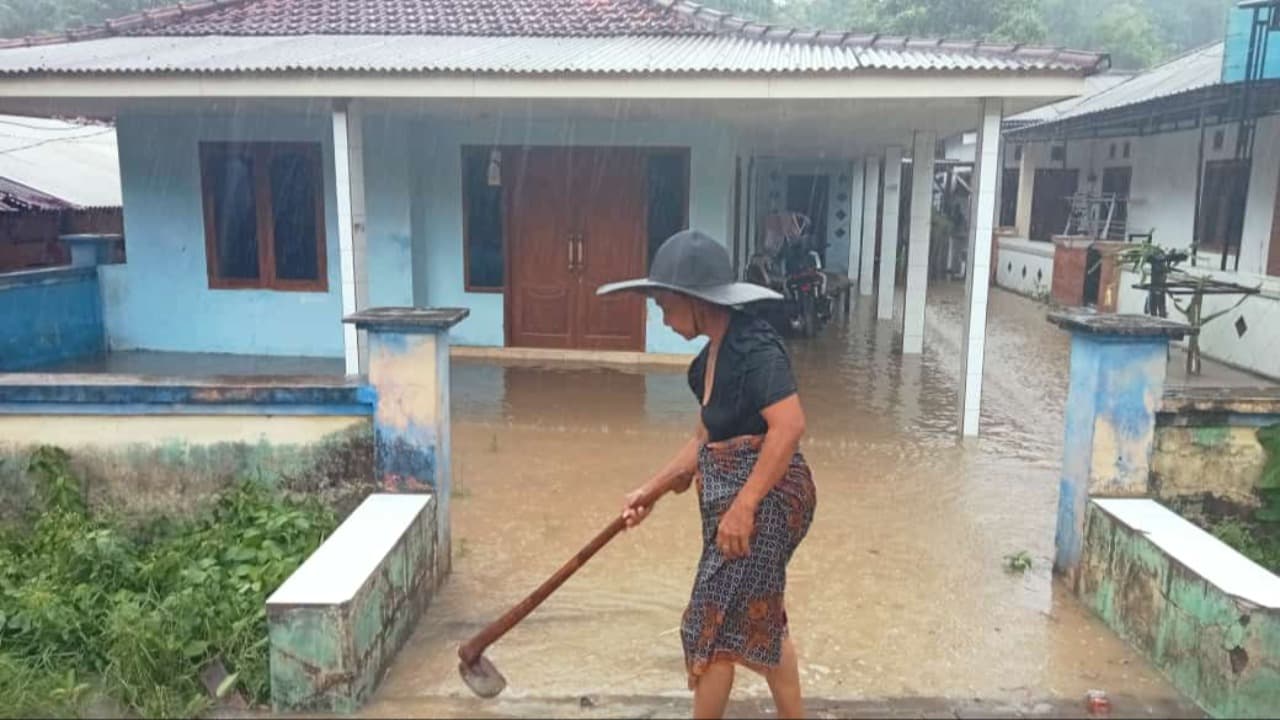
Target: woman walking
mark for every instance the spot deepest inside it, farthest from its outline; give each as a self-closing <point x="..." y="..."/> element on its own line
<point x="755" y="490"/>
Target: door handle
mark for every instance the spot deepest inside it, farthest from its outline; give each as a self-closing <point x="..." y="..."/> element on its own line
<point x="573" y="264"/>
<point x="582" y="252"/>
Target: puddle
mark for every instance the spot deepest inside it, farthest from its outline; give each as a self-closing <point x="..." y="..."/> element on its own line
<point x="899" y="589"/>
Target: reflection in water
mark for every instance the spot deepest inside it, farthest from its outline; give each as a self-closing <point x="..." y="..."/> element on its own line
<point x="899" y="588"/>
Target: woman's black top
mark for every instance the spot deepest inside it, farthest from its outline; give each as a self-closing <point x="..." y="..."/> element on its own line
<point x="753" y="371"/>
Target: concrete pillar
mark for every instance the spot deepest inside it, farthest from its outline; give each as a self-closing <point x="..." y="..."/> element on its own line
<point x="978" y="268"/>
<point x="353" y="241"/>
<point x="1118" y="365"/>
<point x="409" y="372"/>
<point x="857" y="169"/>
<point x="889" y="232"/>
<point x="922" y="153"/>
<point x="870" y="196"/>
<point x="1026" y="186"/>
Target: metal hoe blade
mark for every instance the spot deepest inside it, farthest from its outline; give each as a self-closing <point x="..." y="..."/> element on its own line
<point x="482" y="677"/>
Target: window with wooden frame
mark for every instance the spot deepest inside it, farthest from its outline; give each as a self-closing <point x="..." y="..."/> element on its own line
<point x="264" y="216"/>
<point x="1222" y="204"/>
<point x="484" y="256"/>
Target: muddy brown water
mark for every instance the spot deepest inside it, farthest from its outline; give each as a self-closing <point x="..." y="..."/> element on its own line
<point x="898" y="591"/>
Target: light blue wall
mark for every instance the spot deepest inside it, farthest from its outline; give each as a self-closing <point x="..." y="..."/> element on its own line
<point x="1236" y="53"/>
<point x="161" y="300"/>
<point x="437" y="204"/>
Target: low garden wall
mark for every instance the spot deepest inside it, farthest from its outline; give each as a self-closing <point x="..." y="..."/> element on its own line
<point x="1208" y="452"/>
<point x="1169" y="513"/>
<point x="1207" y="617"/>
<point x="146" y="446"/>
<point x="49" y="316"/>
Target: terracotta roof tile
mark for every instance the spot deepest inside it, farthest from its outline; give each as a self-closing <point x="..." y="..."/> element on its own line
<point x="572" y="18"/>
<point x="325" y="21"/>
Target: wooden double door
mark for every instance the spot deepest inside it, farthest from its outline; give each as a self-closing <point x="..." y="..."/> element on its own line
<point x="575" y="220"/>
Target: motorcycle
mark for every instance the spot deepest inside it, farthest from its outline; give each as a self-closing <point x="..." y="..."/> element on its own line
<point x="790" y="263"/>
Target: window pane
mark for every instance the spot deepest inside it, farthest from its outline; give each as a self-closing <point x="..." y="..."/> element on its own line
<point x="235" y="212"/>
<point x="483" y="204"/>
<point x="294" y="185"/>
<point x="667" y="195"/>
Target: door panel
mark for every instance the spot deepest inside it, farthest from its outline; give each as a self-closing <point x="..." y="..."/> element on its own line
<point x="1117" y="181"/>
<point x="542" y="284"/>
<point x="1050" y="202"/>
<point x="576" y="221"/>
<point x="609" y="194"/>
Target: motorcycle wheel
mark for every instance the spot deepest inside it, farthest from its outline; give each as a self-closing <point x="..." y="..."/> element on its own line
<point x="808" y="316"/>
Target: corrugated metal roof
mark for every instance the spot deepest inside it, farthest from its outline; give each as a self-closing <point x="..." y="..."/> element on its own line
<point x="76" y="163"/>
<point x="1094" y="84"/>
<point x="513" y="55"/>
<point x="1192" y="71"/>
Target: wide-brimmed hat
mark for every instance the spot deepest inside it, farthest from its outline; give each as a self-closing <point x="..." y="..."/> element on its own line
<point x="690" y="262"/>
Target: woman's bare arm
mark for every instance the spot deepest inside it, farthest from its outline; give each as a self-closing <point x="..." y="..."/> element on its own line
<point x="676" y="475"/>
<point x="786" y="426"/>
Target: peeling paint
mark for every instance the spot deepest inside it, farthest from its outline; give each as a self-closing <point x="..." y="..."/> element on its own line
<point x="331" y="658"/>
<point x="1220" y="465"/>
<point x="149" y="465"/>
<point x="1115" y="390"/>
<point x="1221" y="652"/>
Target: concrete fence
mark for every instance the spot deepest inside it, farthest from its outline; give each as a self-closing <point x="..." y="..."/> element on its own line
<point x="1207" y="617"/>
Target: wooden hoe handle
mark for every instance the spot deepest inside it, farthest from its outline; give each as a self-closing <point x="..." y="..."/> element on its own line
<point x="470" y="652"/>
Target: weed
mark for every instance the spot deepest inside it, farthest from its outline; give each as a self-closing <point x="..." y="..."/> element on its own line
<point x="1018" y="562"/>
<point x="142" y="611"/>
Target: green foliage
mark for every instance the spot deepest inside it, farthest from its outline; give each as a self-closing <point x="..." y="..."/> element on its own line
<point x="1137" y="33"/>
<point x="1269" y="438"/>
<point x="1128" y="32"/>
<point x="27" y="17"/>
<point x="1258" y="536"/>
<point x="1259" y="543"/>
<point x="141" y="612"/>
<point x="1018" y="562"/>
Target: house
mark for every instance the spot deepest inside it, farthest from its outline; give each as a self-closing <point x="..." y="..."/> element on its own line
<point x="1191" y="154"/>
<point x="57" y="178"/>
<point x="285" y="163"/>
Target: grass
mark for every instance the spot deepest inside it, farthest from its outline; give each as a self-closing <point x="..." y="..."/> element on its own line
<point x="91" y="610"/>
<point x="1258" y="541"/>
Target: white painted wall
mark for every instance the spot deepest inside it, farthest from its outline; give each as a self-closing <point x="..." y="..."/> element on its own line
<point x="1023" y="266"/>
<point x="1258" y="350"/>
<point x="1163" y="190"/>
<point x="771" y="196"/>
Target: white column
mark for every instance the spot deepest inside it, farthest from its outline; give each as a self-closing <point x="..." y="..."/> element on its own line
<point x="348" y="164"/>
<point x="977" y="277"/>
<point x="889" y="232"/>
<point x="1026" y="190"/>
<point x="922" y="152"/>
<point x="854" y="208"/>
<point x="870" y="196"/>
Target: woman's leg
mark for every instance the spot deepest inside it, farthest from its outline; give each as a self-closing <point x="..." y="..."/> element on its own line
<point x="784" y="682"/>
<point x="711" y="694"/>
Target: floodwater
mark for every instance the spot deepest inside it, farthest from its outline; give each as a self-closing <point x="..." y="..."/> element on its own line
<point x="899" y="591"/>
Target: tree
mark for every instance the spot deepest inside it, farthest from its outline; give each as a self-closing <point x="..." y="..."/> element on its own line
<point x="30" y="17"/>
<point x="1125" y="30"/>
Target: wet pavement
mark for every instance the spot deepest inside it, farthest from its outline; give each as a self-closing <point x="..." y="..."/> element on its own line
<point x="898" y="598"/>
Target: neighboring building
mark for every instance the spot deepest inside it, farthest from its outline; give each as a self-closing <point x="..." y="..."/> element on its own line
<point x="285" y="162"/>
<point x="1164" y="142"/>
<point x="56" y="178"/>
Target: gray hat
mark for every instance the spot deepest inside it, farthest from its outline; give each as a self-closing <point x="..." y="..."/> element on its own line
<point x="692" y="263"/>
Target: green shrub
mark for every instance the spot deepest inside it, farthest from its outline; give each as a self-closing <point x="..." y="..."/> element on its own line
<point x="141" y="611"/>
